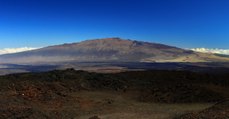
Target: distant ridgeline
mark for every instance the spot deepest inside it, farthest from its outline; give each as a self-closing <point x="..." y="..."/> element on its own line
<point x="109" y="50"/>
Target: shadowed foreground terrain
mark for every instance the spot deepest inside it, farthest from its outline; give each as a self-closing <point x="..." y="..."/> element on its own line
<point x="218" y="111"/>
<point x="155" y="94"/>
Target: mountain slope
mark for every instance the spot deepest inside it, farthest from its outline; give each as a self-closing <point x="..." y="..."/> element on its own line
<point x="108" y="50"/>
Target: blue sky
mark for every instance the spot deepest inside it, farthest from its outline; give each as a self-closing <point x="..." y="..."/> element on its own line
<point x="182" y="23"/>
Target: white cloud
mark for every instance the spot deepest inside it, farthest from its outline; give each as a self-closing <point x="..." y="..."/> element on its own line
<point x="215" y="50"/>
<point x="15" y="50"/>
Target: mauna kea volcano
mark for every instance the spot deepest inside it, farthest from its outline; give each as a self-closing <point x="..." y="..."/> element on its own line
<point x="110" y="50"/>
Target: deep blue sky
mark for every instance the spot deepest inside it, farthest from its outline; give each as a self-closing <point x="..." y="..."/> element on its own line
<point x="182" y="23"/>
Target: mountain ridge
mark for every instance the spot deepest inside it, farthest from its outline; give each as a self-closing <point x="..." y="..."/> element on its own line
<point x="109" y="50"/>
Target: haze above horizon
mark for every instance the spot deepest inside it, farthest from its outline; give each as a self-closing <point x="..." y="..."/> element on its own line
<point x="181" y="23"/>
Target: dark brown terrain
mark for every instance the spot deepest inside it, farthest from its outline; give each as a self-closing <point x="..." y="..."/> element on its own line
<point x="217" y="111"/>
<point x="155" y="94"/>
<point x="121" y="79"/>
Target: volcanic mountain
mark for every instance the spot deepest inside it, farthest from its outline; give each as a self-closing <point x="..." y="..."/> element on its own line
<point x="109" y="50"/>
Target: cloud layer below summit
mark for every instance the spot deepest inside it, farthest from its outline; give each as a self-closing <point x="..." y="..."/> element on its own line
<point x="204" y="50"/>
<point x="215" y="50"/>
<point x="15" y="50"/>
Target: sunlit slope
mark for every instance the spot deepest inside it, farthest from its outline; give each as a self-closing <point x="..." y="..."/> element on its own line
<point x="110" y="50"/>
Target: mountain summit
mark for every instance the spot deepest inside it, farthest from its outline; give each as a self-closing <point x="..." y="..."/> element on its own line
<point x="109" y="50"/>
